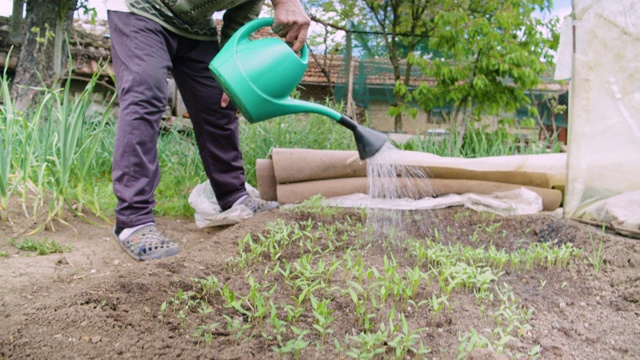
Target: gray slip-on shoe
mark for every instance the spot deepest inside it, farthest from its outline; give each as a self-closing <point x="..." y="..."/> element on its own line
<point x="147" y="243"/>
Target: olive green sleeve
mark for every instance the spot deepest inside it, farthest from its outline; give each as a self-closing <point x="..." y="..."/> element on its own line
<point x="237" y="16"/>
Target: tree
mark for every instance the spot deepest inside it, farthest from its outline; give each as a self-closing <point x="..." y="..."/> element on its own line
<point x="404" y="23"/>
<point x="403" y="26"/>
<point x="493" y="51"/>
<point x="43" y="52"/>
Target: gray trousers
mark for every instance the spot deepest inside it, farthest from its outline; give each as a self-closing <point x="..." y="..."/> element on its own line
<point x="143" y="52"/>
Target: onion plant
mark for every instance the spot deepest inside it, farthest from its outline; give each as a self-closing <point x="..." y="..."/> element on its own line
<point x="7" y="125"/>
<point x="66" y="126"/>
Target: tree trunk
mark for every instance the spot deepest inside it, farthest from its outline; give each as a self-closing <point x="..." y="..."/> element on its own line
<point x="397" y="120"/>
<point x="16" y="30"/>
<point x="41" y="57"/>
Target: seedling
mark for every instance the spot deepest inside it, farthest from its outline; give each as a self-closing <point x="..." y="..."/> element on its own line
<point x="597" y="252"/>
<point x="183" y="319"/>
<point x="370" y="344"/>
<point x="294" y="346"/>
<point x="236" y="327"/>
<point x="206" y="331"/>
<point x="405" y="341"/>
<point x="204" y="309"/>
<point x="323" y="318"/>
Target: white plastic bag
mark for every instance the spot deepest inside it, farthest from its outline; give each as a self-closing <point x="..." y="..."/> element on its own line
<point x="208" y="212"/>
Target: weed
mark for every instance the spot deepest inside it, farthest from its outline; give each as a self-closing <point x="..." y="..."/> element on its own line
<point x="41" y="247"/>
<point x="4" y="254"/>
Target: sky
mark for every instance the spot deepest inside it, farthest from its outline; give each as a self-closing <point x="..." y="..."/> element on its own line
<point x="562" y="8"/>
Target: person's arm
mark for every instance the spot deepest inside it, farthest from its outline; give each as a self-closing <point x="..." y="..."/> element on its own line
<point x="291" y="22"/>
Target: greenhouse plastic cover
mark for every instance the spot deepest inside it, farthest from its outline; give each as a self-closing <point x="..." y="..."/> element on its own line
<point x="603" y="165"/>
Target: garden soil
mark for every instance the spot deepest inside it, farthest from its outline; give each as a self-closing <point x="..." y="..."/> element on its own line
<point x="96" y="302"/>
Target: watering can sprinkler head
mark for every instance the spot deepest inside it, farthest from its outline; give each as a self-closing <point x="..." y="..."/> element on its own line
<point x="368" y="141"/>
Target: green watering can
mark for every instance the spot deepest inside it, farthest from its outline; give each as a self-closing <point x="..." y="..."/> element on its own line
<point x="259" y="75"/>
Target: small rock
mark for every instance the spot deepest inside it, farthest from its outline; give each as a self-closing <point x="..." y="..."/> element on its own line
<point x="563" y="305"/>
<point x="96" y="339"/>
<point x="93" y="271"/>
<point x="582" y="303"/>
<point x="57" y="336"/>
<point x="116" y="262"/>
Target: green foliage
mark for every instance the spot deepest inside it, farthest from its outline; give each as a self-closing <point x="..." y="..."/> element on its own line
<point x="403" y="28"/>
<point x="8" y="120"/>
<point x="479" y="142"/>
<point x="492" y="52"/>
<point x="40" y="247"/>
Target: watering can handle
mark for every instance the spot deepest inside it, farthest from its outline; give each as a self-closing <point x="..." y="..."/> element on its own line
<point x="252" y="26"/>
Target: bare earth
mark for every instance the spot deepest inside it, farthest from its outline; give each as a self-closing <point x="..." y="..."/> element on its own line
<point x="96" y="302"/>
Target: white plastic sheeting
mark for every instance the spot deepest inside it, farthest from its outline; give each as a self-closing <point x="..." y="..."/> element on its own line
<point x="514" y="202"/>
<point x="604" y="111"/>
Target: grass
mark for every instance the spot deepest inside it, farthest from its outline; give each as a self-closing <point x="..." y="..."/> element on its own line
<point x="40" y="247"/>
<point x="479" y="142"/>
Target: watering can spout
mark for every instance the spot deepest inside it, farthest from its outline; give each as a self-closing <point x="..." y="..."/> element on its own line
<point x="368" y="141"/>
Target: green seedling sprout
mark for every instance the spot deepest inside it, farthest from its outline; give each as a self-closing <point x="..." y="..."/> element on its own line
<point x="323" y="317"/>
<point x="404" y="341"/>
<point x="236" y="327"/>
<point x="597" y="252"/>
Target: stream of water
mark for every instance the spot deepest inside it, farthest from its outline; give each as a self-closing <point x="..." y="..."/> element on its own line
<point x="389" y="181"/>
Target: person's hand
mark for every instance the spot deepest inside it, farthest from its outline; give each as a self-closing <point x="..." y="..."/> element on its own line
<point x="291" y="22"/>
<point x="224" y="100"/>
